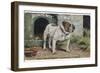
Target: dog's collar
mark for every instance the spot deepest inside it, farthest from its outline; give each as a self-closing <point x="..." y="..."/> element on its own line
<point x="63" y="31"/>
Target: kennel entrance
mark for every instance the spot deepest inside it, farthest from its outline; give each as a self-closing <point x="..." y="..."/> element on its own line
<point x="39" y="27"/>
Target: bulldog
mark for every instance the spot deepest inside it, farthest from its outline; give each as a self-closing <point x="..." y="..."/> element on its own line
<point x="57" y="33"/>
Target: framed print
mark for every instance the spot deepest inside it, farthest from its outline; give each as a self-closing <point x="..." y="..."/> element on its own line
<point x="52" y="36"/>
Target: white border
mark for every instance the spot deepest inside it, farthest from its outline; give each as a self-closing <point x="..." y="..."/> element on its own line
<point x="55" y="62"/>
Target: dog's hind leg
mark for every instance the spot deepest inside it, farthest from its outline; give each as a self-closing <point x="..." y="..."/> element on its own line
<point x="44" y="41"/>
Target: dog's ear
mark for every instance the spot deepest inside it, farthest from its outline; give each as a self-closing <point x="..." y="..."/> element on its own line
<point x="63" y="22"/>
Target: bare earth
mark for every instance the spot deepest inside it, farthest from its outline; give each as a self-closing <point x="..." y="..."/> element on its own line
<point x="60" y="53"/>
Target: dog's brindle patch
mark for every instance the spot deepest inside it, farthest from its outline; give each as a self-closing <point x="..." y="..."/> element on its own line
<point x="67" y="26"/>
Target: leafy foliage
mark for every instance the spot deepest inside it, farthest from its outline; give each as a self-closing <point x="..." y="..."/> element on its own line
<point x="83" y="41"/>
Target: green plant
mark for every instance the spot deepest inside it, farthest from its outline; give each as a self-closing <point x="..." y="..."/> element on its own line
<point x="74" y="39"/>
<point x="86" y="32"/>
<point x="84" y="42"/>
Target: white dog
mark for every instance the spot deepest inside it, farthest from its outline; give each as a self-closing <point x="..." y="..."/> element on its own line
<point x="58" y="33"/>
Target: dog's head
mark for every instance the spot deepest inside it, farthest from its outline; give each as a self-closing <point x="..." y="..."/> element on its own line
<point x="68" y="26"/>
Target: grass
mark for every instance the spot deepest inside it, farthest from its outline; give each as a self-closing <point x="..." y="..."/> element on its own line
<point x="83" y="41"/>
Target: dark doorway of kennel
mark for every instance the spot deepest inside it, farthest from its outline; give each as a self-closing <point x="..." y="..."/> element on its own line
<point x="86" y="21"/>
<point x="86" y="25"/>
<point x="39" y="27"/>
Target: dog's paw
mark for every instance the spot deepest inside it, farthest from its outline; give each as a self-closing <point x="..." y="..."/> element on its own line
<point x="44" y="48"/>
<point x="54" y="53"/>
<point x="67" y="50"/>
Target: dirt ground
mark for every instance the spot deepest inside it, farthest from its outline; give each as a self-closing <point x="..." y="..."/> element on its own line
<point x="39" y="53"/>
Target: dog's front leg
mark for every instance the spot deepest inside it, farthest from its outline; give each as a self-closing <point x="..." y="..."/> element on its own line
<point x="53" y="46"/>
<point x="67" y="47"/>
<point x="49" y="42"/>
